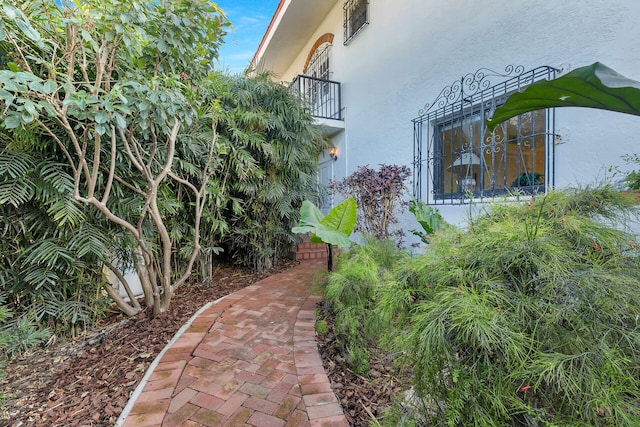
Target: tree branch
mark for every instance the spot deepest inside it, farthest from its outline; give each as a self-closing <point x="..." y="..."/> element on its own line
<point x="112" y="167"/>
<point x="48" y="130"/>
<point x="127" y="149"/>
<point x="125" y="285"/>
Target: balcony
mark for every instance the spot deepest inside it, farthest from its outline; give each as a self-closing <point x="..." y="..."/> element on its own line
<point x="324" y="100"/>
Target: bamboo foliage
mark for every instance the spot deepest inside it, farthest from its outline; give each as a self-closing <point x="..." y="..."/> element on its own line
<point x="271" y="157"/>
<point x="52" y="249"/>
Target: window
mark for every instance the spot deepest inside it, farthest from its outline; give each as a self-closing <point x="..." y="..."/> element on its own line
<point x="356" y="17"/>
<point x="323" y="95"/>
<point x="470" y="159"/>
<point x="319" y="63"/>
<point x="318" y="89"/>
<point x="464" y="161"/>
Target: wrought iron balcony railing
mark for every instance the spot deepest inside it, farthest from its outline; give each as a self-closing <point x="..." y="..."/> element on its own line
<point x="323" y="97"/>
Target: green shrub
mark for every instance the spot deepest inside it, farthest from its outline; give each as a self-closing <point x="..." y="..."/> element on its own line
<point x="19" y="335"/>
<point x="5" y="314"/>
<point x="269" y="165"/>
<point x="359" y="360"/>
<point x="378" y="194"/>
<point x="530" y="318"/>
<point x="23" y="335"/>
<point x="429" y="219"/>
<point x="351" y="292"/>
<point x="632" y="179"/>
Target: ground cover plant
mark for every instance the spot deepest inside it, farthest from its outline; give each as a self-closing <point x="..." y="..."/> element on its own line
<point x="528" y="318"/>
<point x="351" y="292"/>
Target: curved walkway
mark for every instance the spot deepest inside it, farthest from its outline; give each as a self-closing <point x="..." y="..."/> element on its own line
<point x="248" y="359"/>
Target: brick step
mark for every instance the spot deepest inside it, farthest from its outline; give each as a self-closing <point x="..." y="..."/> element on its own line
<point x="307" y="250"/>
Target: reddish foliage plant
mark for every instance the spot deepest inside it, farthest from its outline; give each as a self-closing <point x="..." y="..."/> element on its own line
<point x="379" y="195"/>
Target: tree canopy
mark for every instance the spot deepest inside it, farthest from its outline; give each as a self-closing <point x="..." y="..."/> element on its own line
<point x="122" y="91"/>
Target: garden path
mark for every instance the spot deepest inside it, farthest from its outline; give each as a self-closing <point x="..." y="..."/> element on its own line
<point x="248" y="359"/>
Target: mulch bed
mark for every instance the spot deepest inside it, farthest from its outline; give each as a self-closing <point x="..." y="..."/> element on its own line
<point x="363" y="399"/>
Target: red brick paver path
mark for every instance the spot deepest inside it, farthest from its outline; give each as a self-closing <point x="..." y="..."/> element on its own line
<point x="250" y="359"/>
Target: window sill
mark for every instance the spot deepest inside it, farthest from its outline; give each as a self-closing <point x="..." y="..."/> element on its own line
<point x="529" y="190"/>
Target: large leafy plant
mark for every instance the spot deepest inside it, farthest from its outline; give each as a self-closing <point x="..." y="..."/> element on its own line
<point x="429" y="219"/>
<point x="269" y="163"/>
<point x="593" y="86"/>
<point x="333" y="229"/>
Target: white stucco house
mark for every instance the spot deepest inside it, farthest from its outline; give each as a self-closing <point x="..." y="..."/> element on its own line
<point x="411" y="81"/>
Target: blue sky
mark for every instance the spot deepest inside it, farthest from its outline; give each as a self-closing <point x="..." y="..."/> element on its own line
<point x="250" y="19"/>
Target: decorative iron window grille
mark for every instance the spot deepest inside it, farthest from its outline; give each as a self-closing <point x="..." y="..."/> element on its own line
<point x="456" y="159"/>
<point x="356" y="17"/>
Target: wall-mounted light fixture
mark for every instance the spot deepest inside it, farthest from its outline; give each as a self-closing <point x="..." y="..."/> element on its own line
<point x="333" y="153"/>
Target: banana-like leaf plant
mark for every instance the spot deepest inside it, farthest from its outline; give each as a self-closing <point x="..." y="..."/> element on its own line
<point x="429" y="219"/>
<point x="333" y="229"/>
<point x="593" y="86"/>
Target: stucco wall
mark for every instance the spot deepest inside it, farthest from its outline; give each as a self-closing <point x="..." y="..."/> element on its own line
<point x="332" y="23"/>
<point x="413" y="48"/>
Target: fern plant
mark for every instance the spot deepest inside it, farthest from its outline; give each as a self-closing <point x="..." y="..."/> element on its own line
<point x="527" y="319"/>
<point x="351" y="293"/>
<point x="52" y="250"/>
<point x="23" y="335"/>
<point x="5" y="314"/>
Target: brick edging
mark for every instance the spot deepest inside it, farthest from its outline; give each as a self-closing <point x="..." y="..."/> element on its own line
<point x="323" y="407"/>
